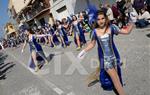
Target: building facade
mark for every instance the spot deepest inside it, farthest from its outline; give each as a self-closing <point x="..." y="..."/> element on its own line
<point x="10" y="30"/>
<point x="39" y="12"/>
<point x="63" y="8"/>
<point x="31" y="12"/>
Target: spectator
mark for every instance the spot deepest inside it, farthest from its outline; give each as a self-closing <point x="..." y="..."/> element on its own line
<point x="133" y="16"/>
<point x="109" y="13"/>
<point x="120" y="4"/>
<point x="128" y="8"/>
<point x="143" y="19"/>
<point x="115" y="11"/>
<point x="138" y="5"/>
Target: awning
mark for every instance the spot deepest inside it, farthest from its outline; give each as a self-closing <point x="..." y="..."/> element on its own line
<point x="9" y="28"/>
<point x="11" y="32"/>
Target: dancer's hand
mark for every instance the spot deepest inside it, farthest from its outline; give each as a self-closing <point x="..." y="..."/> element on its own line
<point x="82" y="54"/>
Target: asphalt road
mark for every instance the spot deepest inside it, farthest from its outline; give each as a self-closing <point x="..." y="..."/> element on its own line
<point x="66" y="75"/>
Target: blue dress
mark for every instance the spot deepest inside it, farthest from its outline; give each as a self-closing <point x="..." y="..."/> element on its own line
<point x="34" y="45"/>
<point x="108" y="57"/>
<point x="63" y="33"/>
<point x="77" y="29"/>
<point x="50" y="31"/>
<point x="65" y="36"/>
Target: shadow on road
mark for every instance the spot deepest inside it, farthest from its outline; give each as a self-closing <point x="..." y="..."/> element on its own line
<point x="4" y="67"/>
<point x="148" y="35"/>
<point x="50" y="57"/>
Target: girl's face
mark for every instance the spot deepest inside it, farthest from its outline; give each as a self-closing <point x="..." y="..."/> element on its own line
<point x="101" y="21"/>
<point x="57" y="22"/>
<point x="74" y="18"/>
<point x="64" y="21"/>
<point x="142" y="11"/>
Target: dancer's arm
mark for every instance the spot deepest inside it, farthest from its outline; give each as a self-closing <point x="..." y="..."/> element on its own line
<point x="84" y="52"/>
<point x="127" y="30"/>
<point x="42" y="35"/>
<point x="92" y="42"/>
<point x="90" y="46"/>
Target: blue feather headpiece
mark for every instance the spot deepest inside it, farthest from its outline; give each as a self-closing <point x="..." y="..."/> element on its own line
<point x="92" y="12"/>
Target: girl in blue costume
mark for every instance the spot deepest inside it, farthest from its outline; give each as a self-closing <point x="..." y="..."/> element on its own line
<point x="60" y="33"/>
<point x="78" y="32"/>
<point x="35" y="48"/>
<point x="110" y="71"/>
<point x="65" y="35"/>
<point x="50" y="31"/>
<point x="66" y="26"/>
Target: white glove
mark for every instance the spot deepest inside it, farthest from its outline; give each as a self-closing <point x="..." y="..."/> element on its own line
<point x="82" y="54"/>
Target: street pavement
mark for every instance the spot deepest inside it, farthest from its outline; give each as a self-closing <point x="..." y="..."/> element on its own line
<point x="67" y="75"/>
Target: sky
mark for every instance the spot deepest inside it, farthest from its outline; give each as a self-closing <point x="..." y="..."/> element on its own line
<point x="3" y="15"/>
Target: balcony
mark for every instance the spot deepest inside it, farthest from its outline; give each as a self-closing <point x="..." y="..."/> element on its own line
<point x="34" y="10"/>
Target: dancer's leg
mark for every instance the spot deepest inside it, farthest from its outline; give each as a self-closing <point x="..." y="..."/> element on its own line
<point x="78" y="42"/>
<point x="41" y="53"/>
<point x="33" y="55"/>
<point x="116" y="81"/>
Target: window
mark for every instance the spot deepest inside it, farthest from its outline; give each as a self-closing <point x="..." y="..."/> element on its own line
<point x="62" y="9"/>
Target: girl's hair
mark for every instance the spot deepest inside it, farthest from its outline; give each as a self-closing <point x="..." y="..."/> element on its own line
<point x="64" y="20"/>
<point x="74" y="16"/>
<point x="101" y="12"/>
<point x="58" y="21"/>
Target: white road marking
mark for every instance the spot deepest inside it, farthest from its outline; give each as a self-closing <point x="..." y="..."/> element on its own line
<point x="59" y="91"/>
<point x="48" y="83"/>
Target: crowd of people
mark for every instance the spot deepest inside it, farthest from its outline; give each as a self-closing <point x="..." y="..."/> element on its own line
<point x="59" y="32"/>
<point x="101" y="25"/>
<point x="12" y="41"/>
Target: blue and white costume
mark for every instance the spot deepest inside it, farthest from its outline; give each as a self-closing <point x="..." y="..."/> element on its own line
<point x="50" y="31"/>
<point x="77" y="29"/>
<point x="61" y="32"/>
<point x="35" y="47"/>
<point x="108" y="57"/>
